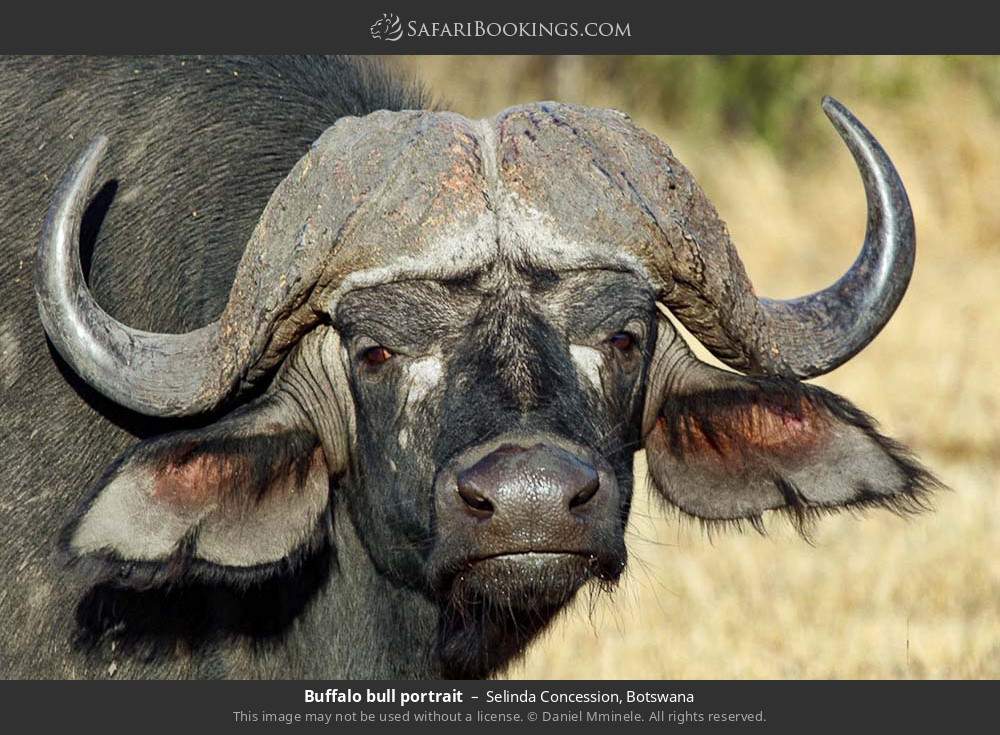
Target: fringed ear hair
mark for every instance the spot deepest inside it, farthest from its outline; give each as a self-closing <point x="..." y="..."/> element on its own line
<point x="724" y="447"/>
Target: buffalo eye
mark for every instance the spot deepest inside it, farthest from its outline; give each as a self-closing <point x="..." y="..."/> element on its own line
<point x="622" y="341"/>
<point x="375" y="356"/>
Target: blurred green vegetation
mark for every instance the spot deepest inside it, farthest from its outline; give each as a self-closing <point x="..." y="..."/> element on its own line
<point x="769" y="98"/>
<point x="883" y="599"/>
<point x="773" y="98"/>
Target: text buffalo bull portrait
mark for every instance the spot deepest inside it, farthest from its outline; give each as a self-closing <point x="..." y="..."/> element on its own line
<point x="445" y="341"/>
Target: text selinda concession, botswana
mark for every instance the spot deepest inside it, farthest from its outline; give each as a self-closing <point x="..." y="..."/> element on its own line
<point x="598" y="695"/>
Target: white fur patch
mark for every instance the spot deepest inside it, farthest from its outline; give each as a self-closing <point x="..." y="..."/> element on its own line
<point x="422" y="376"/>
<point x="588" y="363"/>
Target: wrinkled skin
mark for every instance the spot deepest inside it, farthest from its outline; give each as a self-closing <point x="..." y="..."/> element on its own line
<point x="198" y="151"/>
<point x="500" y="352"/>
<point x="485" y="356"/>
<point x="484" y="290"/>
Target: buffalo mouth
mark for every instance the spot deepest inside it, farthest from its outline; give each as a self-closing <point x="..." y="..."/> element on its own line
<point x="496" y="603"/>
<point x="527" y="580"/>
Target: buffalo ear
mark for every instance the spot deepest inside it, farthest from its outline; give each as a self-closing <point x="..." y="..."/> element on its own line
<point x="726" y="447"/>
<point x="240" y="499"/>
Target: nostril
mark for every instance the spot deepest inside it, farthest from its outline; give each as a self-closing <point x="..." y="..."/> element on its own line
<point x="478" y="503"/>
<point x="585" y="493"/>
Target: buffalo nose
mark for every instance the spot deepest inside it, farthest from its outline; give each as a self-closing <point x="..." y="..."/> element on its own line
<point x="539" y="501"/>
<point x="516" y="483"/>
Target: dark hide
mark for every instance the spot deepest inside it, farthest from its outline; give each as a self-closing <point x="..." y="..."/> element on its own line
<point x="189" y="520"/>
<point x="500" y="339"/>
<point x="299" y="534"/>
<point x="239" y="501"/>
<point x="199" y="144"/>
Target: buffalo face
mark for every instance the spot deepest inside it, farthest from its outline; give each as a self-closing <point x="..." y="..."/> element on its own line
<point x="497" y="417"/>
<point x="458" y="328"/>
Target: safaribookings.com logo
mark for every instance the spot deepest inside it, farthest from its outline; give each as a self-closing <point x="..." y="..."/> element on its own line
<point x="387" y="28"/>
<point x="390" y="28"/>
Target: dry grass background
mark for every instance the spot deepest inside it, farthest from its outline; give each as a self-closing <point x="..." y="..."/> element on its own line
<point x="874" y="597"/>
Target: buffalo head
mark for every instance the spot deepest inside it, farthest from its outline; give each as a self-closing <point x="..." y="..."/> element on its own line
<point x="458" y="328"/>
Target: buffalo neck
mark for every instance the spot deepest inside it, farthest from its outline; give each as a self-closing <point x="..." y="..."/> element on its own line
<point x="360" y="624"/>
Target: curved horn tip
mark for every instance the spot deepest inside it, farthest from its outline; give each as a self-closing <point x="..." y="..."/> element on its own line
<point x="154" y="374"/>
<point x="843" y="119"/>
<point x="90" y="159"/>
<point x="832" y="106"/>
<point x="853" y="310"/>
<point x="97" y="146"/>
<point x="864" y="146"/>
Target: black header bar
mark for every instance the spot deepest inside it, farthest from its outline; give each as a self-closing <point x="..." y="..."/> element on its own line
<point x="708" y="26"/>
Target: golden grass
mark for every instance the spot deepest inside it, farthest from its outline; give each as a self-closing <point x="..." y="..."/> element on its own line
<point x="875" y="597"/>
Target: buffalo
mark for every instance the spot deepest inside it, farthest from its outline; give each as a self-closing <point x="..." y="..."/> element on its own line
<point x="303" y="377"/>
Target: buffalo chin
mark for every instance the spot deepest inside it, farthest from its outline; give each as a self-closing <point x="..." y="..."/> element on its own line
<point x="495" y="606"/>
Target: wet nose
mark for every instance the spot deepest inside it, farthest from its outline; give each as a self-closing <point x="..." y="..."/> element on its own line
<point x="537" y="503"/>
<point x="519" y="486"/>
